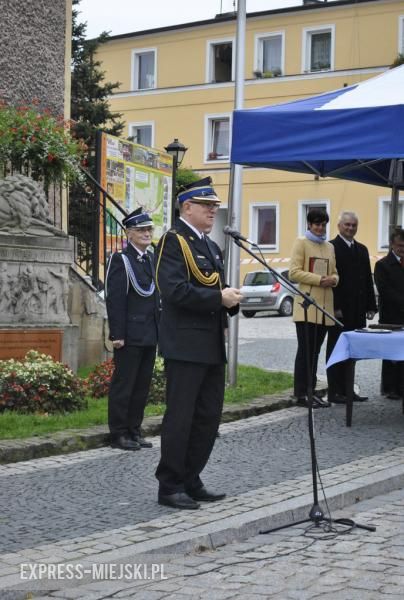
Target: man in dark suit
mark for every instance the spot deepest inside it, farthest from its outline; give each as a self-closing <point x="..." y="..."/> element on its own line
<point x="389" y="277"/>
<point x="133" y="310"/>
<point x="195" y="303"/>
<point x="354" y="298"/>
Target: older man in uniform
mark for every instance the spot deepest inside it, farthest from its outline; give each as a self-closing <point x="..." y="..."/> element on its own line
<point x="195" y="303"/>
<point x="133" y="310"/>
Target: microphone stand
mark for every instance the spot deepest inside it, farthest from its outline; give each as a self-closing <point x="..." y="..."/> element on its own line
<point x="316" y="514"/>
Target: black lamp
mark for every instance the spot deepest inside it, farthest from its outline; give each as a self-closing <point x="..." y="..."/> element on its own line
<point x="177" y="150"/>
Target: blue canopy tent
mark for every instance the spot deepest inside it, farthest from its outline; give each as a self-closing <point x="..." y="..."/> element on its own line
<point x="353" y="133"/>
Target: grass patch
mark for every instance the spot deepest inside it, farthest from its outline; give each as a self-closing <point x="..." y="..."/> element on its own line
<point x="251" y="383"/>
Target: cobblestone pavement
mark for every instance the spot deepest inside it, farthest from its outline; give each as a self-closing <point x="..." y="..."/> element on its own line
<point x="296" y="563"/>
<point x="83" y="493"/>
<point x="101" y="504"/>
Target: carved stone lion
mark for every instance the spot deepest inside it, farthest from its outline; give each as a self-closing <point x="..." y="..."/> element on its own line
<point x="23" y="206"/>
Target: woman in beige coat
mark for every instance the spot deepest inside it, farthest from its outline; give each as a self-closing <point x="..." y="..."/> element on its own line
<point x="313" y="268"/>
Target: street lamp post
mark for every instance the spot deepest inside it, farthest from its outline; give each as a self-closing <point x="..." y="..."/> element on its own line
<point x="177" y="151"/>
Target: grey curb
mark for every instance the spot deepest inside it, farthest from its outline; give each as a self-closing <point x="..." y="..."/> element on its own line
<point x="74" y="440"/>
<point x="211" y="535"/>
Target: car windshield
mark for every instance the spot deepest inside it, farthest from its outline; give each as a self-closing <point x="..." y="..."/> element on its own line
<point x="259" y="278"/>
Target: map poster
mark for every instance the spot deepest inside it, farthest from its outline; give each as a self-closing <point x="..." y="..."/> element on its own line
<point x="135" y="176"/>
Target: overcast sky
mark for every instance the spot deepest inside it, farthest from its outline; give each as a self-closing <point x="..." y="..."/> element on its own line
<point x="126" y="16"/>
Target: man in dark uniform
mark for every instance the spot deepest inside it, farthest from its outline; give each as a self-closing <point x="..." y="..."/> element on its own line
<point x="195" y="303"/>
<point x="354" y="298"/>
<point x="133" y="309"/>
<point x="389" y="277"/>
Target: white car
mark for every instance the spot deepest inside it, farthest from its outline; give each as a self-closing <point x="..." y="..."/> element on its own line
<point x="262" y="292"/>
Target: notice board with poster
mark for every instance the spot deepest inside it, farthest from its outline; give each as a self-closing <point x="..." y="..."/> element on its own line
<point x="135" y="176"/>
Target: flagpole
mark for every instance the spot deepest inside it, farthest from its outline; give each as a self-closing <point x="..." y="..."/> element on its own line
<point x="235" y="194"/>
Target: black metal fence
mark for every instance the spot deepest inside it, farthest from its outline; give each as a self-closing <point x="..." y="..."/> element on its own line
<point x="96" y="231"/>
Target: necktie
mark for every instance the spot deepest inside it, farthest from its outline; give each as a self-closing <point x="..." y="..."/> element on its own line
<point x="402" y="261"/>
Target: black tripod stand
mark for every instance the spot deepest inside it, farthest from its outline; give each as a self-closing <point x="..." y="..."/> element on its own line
<point x="316" y="514"/>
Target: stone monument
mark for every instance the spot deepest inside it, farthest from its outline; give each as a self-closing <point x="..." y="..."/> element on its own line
<point x="35" y="259"/>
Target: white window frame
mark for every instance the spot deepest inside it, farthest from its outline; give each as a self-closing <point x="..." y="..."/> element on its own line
<point x="142" y="124"/>
<point x="306" y="47"/>
<point x="135" y="68"/>
<point x="301" y="216"/>
<point x="258" y="52"/>
<point x="209" y="58"/>
<point x="400" y="39"/>
<point x="208" y="139"/>
<point x="383" y="233"/>
<point x="254" y="207"/>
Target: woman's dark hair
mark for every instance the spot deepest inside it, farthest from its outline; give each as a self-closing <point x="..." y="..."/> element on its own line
<point x="317" y="215"/>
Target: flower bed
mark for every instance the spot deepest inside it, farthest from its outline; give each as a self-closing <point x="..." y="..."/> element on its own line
<point x="38" y="384"/>
<point x="98" y="381"/>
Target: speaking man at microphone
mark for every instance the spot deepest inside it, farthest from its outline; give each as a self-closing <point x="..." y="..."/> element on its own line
<point x="195" y="305"/>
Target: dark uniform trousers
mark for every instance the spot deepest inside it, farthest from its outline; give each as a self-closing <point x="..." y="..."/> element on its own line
<point x="316" y="335"/>
<point x="191" y="421"/>
<point x="129" y="388"/>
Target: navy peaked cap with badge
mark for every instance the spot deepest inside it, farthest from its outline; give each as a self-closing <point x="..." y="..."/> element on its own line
<point x="137" y="218"/>
<point x="201" y="191"/>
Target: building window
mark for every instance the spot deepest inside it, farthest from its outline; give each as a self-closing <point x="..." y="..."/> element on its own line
<point x="264" y="225"/>
<point x="318" y="49"/>
<point x="144" y="69"/>
<point x="401" y="34"/>
<point x="141" y="133"/>
<point x="218" y="138"/>
<point x="304" y="209"/>
<point x="384" y="221"/>
<point x="220" y="61"/>
<point x="270" y="54"/>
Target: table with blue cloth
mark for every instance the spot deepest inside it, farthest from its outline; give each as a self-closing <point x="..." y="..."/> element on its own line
<point x="357" y="345"/>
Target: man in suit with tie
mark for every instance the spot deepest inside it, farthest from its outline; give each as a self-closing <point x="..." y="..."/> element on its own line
<point x="389" y="278"/>
<point x="195" y="304"/>
<point x="133" y="310"/>
<point x="354" y="298"/>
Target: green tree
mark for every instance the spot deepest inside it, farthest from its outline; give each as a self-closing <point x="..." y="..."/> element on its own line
<point x="185" y="176"/>
<point x="90" y="108"/>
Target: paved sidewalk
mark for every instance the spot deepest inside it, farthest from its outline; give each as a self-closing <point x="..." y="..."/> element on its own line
<point x="73" y="440"/>
<point x="99" y="506"/>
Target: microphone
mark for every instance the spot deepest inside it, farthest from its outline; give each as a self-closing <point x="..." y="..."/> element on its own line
<point x="236" y="235"/>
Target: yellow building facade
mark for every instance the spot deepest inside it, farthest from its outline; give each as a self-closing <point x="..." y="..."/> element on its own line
<point x="178" y="82"/>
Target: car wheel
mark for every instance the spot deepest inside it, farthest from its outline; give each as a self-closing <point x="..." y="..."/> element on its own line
<point x="286" y="308"/>
<point x="248" y="313"/>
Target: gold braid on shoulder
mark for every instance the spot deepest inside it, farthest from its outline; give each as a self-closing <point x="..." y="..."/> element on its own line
<point x="208" y="280"/>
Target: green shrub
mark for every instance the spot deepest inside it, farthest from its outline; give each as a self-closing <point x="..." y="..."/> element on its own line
<point x="99" y="379"/>
<point x="38" y="384"/>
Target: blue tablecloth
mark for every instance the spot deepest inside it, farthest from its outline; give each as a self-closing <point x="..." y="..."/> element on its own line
<point x="357" y="345"/>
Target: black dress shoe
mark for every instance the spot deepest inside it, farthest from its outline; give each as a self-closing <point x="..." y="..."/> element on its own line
<point x="141" y="441"/>
<point x="204" y="495"/>
<point x="357" y="398"/>
<point x="178" y="500"/>
<point x="337" y="399"/>
<point x="124" y="443"/>
<point x="303" y="401"/>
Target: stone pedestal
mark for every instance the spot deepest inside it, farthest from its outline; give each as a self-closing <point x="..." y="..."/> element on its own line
<point x="34" y="293"/>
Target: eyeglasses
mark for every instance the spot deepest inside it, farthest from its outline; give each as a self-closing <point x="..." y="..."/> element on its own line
<point x="147" y="229"/>
<point x="207" y="205"/>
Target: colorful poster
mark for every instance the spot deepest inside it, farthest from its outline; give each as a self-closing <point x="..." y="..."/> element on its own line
<point x="135" y="176"/>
